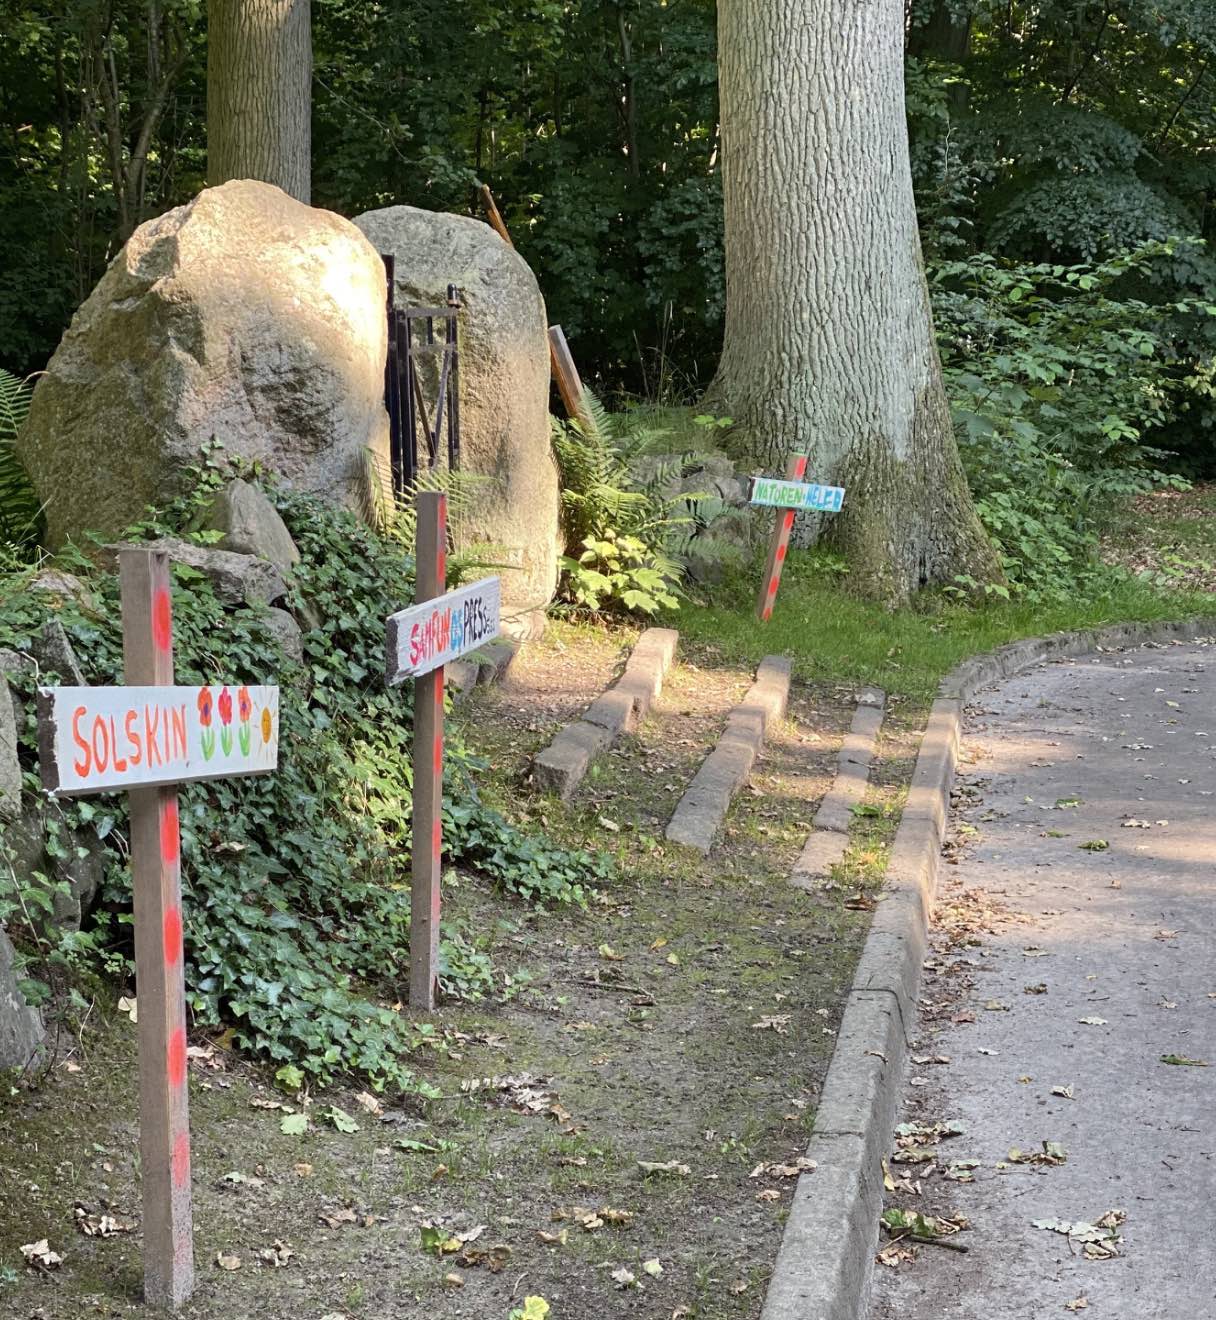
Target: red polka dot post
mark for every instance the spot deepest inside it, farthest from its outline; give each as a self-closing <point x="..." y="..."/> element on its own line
<point x="438" y="628"/>
<point x="787" y="497"/>
<point x="147" y="737"/>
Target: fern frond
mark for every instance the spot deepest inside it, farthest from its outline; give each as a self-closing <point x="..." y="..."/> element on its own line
<point x="20" y="511"/>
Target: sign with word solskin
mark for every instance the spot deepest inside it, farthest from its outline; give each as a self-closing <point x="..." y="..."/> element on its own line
<point x="436" y="632"/>
<point x="772" y="492"/>
<point x="99" y="738"/>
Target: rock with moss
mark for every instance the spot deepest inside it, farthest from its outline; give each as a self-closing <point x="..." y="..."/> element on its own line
<point x="236" y="579"/>
<point x="21" y="1029"/>
<point x="10" y="766"/>
<point x="250" y="525"/>
<point x="244" y="317"/>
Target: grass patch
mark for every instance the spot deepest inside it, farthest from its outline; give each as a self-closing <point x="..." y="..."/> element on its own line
<point x="833" y="636"/>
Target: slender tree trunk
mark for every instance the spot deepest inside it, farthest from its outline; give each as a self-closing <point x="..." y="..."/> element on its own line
<point x="945" y="35"/>
<point x="829" y="343"/>
<point x="259" y="93"/>
<point x="629" y="109"/>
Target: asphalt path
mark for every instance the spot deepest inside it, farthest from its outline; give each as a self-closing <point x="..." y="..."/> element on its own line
<point x="1075" y="951"/>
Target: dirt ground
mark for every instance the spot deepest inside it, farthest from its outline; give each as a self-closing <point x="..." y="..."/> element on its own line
<point x="685" y="1020"/>
<point x="1169" y="536"/>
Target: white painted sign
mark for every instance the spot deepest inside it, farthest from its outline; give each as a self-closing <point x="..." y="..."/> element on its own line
<point x="99" y="738"/>
<point x="441" y="630"/>
<point x="772" y="492"/>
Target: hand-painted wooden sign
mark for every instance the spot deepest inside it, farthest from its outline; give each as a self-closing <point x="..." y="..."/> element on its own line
<point x="146" y="738"/>
<point x="788" y="497"/>
<point x="419" y="642"/>
<point x="435" y="632"/>
<point x="98" y="738"/>
<point x="771" y="493"/>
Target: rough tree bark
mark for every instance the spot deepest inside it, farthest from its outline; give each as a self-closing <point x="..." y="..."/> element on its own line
<point x="259" y="93"/>
<point x="829" y="345"/>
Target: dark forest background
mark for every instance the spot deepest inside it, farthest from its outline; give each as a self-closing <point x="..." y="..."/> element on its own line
<point x="1056" y="132"/>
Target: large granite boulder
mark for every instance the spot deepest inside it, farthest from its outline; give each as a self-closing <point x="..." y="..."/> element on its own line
<point x="504" y="384"/>
<point x="243" y="316"/>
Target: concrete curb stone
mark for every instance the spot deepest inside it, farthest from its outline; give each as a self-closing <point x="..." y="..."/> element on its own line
<point x="828" y="841"/>
<point x="826" y="1258"/>
<point x="702" y="809"/>
<point x="560" y="767"/>
<point x="852" y="766"/>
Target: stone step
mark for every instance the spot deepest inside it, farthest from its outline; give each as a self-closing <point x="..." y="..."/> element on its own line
<point x="560" y="767"/>
<point x="487" y="665"/>
<point x="701" y="811"/>
<point x="829" y="839"/>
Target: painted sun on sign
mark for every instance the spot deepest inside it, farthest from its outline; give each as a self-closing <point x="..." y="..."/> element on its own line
<point x="96" y="738"/>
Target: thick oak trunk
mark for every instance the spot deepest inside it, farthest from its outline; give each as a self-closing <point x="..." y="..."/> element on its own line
<point x="259" y="93"/>
<point x="829" y="344"/>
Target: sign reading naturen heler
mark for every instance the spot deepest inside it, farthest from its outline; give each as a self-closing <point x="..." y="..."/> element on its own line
<point x="788" y="496"/>
<point x="773" y="493"/>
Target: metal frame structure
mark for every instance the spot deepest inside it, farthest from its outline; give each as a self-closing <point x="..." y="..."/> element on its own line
<point x="412" y="337"/>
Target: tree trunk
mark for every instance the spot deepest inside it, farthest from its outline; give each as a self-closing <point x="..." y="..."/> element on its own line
<point x="259" y="93"/>
<point x="945" y="35"/>
<point x="829" y="344"/>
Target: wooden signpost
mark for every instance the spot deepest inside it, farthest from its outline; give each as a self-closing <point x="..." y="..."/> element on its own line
<point x="146" y="738"/>
<point x="420" y="641"/>
<point x="787" y="497"/>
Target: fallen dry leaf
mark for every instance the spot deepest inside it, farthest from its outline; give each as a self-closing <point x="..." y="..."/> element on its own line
<point x="778" y="1022"/>
<point x="98" y="1225"/>
<point x="801" y="1165"/>
<point x="39" y="1256"/>
<point x="649" y="1167"/>
<point x="276" y="1255"/>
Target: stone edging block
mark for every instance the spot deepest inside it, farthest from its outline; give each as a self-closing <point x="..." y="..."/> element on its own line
<point x="852" y="767"/>
<point x="826" y="1259"/>
<point x="620" y="709"/>
<point x="701" y="810"/>
<point x="487" y="665"/>
<point x="828" y="841"/>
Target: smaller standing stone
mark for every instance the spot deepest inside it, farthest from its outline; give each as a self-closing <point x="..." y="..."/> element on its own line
<point x="21" y="1029"/>
<point x="286" y="632"/>
<point x="251" y="525"/>
<point x="13" y="662"/>
<point x="54" y="651"/>
<point x="67" y="585"/>
<point x="10" y="766"/>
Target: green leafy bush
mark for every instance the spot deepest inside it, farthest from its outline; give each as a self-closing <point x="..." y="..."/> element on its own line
<point x="1056" y="380"/>
<point x="296" y="883"/>
<point x="616" y="530"/>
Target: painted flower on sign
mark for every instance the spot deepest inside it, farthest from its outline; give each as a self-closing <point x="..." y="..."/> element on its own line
<point x="204" y="718"/>
<point x="267" y="724"/>
<point x="244" y="709"/>
<point x="224" y="706"/>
